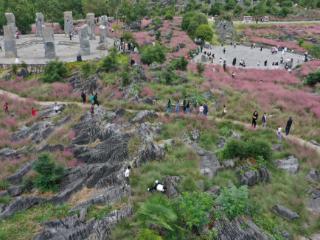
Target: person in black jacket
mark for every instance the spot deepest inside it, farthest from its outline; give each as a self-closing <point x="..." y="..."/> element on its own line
<point x="288" y="127"/>
<point x="254" y="119"/>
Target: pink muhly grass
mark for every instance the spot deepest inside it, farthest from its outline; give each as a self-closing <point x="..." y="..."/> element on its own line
<point x="147" y="92"/>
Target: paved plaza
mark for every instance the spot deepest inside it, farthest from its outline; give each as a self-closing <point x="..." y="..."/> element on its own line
<point x="253" y="57"/>
<point x="31" y="49"/>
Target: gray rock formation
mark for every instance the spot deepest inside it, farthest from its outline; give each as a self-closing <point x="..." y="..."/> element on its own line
<point x="15" y="191"/>
<point x="225" y="30"/>
<point x="84" y="40"/>
<point x="285" y="212"/>
<point x="19" y="204"/>
<point x="314" y="201"/>
<point x="73" y="228"/>
<point x="80" y="83"/>
<point x="313" y="176"/>
<point x="90" y="20"/>
<point x="18" y="176"/>
<point x="48" y="40"/>
<point x="103" y="31"/>
<point x="10" y="47"/>
<point x="143" y="116"/>
<point x="39" y="24"/>
<point x="235" y="230"/>
<point x="171" y="183"/>
<point x="290" y="164"/>
<point x="68" y="22"/>
<point x="251" y="177"/>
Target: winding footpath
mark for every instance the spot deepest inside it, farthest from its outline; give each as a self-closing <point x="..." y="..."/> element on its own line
<point x="291" y="138"/>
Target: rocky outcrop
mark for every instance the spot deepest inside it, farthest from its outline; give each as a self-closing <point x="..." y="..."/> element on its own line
<point x="285" y="212"/>
<point x="17" y="177"/>
<point x="239" y="229"/>
<point x="225" y="30"/>
<point x="171" y="183"/>
<point x="251" y="177"/>
<point x="289" y="164"/>
<point x="19" y="204"/>
<point x="80" y="83"/>
<point x="74" y="228"/>
<point x="143" y="116"/>
<point x="314" y="202"/>
<point x="313" y="176"/>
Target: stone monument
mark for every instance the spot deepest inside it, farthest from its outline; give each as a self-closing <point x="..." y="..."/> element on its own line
<point x="103" y="37"/>
<point x="68" y="22"/>
<point x="39" y="24"/>
<point x="10" y="47"/>
<point x="84" y="40"/>
<point x="48" y="40"/>
<point x="91" y="25"/>
<point x="104" y="20"/>
<point x="11" y="21"/>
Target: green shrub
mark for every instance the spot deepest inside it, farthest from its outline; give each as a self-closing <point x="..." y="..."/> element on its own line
<point x="233" y="202"/>
<point x="151" y="54"/>
<point x="5" y="200"/>
<point x="48" y="173"/>
<point x="55" y="71"/>
<point x="189" y="185"/>
<point x="313" y="78"/>
<point x="147" y="234"/>
<point x="204" y="32"/>
<point x="243" y="150"/>
<point x="109" y="63"/>
<point x="98" y="212"/>
<point x="158" y="212"/>
<point x="200" y="68"/>
<point x="193" y="209"/>
<point x="168" y="77"/>
<point x="179" y="64"/>
<point x="191" y="21"/>
<point x="88" y="69"/>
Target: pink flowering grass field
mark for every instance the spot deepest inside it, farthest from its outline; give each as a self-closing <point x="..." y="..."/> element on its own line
<point x="285" y="35"/>
<point x="277" y="92"/>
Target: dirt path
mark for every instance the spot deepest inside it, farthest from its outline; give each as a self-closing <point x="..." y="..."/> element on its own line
<point x="290" y="138"/>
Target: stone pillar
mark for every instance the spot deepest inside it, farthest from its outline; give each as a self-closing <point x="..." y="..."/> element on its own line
<point x="84" y="40"/>
<point x="48" y="41"/>
<point x="91" y="25"/>
<point x="68" y="22"/>
<point x="39" y="24"/>
<point x="104" y="20"/>
<point x="103" y="38"/>
<point x="10" y="47"/>
<point x="11" y="21"/>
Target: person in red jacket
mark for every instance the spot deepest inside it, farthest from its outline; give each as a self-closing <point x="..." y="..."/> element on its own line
<point x="6" y="107"/>
<point x="33" y="112"/>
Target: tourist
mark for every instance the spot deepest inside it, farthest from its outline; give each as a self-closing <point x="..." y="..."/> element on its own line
<point x="234" y="45"/>
<point x="159" y="187"/>
<point x="255" y="116"/>
<point x="169" y="106"/>
<point x="224" y="111"/>
<point x="288" y="126"/>
<point x="220" y="60"/>
<point x="264" y="120"/>
<point x="177" y="107"/>
<point x="266" y="63"/>
<point x="251" y="46"/>
<point x="234" y="61"/>
<point x="95" y="100"/>
<point x="306" y="56"/>
<point x="205" y="109"/>
<point x="224" y="65"/>
<point x="6" y="107"/>
<point x="127" y="174"/>
<point x="201" y="108"/>
<point x="224" y="50"/>
<point x="261" y="49"/>
<point x="92" y="109"/>
<point x="56" y="108"/>
<point x="258" y="64"/>
<point x="83" y="97"/>
<point x="33" y="112"/>
<point x="188" y="110"/>
<point x="281" y="60"/>
<point x="233" y="75"/>
<point x="279" y="134"/>
<point x="184" y="104"/>
<point x="70" y="36"/>
<point x="79" y="58"/>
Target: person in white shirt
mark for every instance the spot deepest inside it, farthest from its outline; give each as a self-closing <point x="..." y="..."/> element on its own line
<point x="56" y="108"/>
<point x="127" y="173"/>
<point x="159" y="187"/>
<point x="201" y="108"/>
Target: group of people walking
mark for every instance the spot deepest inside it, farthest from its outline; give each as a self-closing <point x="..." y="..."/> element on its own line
<point x="255" y="117"/>
<point x="186" y="107"/>
<point x="93" y="99"/>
